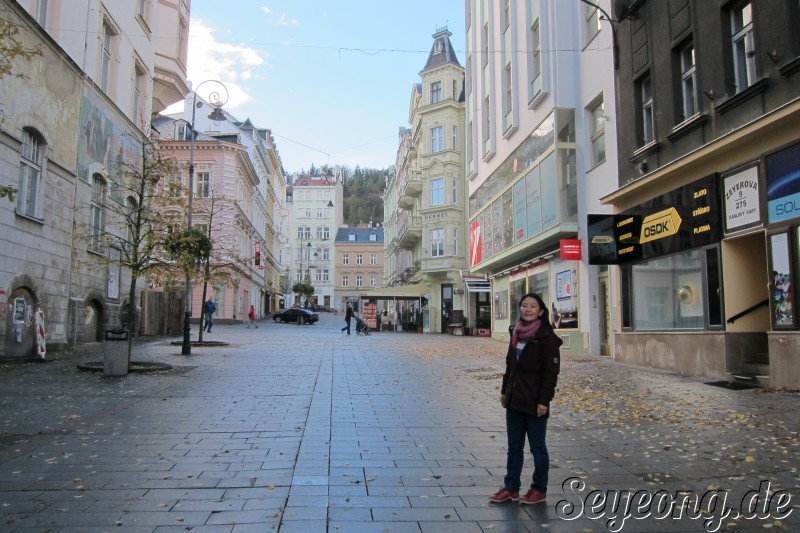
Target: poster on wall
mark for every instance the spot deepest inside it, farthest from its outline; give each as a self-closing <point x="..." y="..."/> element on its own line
<point x="564" y="308"/>
<point x="782" y="305"/>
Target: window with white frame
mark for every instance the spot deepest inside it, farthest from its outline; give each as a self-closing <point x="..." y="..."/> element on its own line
<point x="345" y="259"/>
<point x="29" y="202"/>
<point x="688" y="82"/>
<point x="437" y="242"/>
<point x="319" y="232"/>
<point x="373" y="237"/>
<point x="345" y="281"/>
<point x="359" y="281"/>
<point x="183" y="35"/>
<point x="321" y="275"/>
<point x="307" y="212"/>
<point x="436" y="92"/>
<point x="97" y="210"/>
<point x="455" y="89"/>
<point x="744" y="54"/>
<point x="598" y="131"/>
<point x="325" y="253"/>
<point x="107" y="50"/>
<point x="139" y="84"/>
<point x="174" y="186"/>
<point x="487" y="124"/>
<point x="373" y="259"/>
<point x="592" y="15"/>
<point x="202" y="185"/>
<point x="646" y="110"/>
<point x="41" y="12"/>
<point x="307" y="233"/>
<point x="373" y="281"/>
<point x="299" y="232"/>
<point x="326" y="233"/>
<point x="507" y="77"/>
<point x="351" y="237"/>
<point x="320" y="212"/>
<point x="455" y="241"/>
<point x="455" y="138"/>
<point x="437" y="191"/>
<point x="454" y="190"/>
<point x="142" y="9"/>
<point x="359" y="259"/>
<point x="437" y="139"/>
<point x="535" y="46"/>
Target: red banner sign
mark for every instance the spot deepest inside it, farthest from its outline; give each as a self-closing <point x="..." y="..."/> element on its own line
<point x="570" y="249"/>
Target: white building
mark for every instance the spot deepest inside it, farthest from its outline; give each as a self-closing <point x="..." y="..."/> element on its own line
<point x="80" y="110"/>
<point x="540" y="121"/>
<point x="316" y="213"/>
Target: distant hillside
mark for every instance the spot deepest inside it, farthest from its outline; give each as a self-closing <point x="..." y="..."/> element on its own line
<point x="363" y="188"/>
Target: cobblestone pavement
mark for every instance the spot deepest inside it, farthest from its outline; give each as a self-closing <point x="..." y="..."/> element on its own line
<point x="299" y="428"/>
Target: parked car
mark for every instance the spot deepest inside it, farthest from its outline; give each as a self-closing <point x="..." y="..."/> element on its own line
<point x="323" y="309"/>
<point x="302" y="316"/>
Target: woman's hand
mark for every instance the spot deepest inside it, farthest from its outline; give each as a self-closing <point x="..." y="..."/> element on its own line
<point x="504" y="400"/>
<point x="541" y="410"/>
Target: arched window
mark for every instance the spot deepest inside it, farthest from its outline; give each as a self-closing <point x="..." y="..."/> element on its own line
<point x="30" y="174"/>
<point x="97" y="212"/>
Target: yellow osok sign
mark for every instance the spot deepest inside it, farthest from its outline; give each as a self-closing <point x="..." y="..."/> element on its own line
<point x="659" y="225"/>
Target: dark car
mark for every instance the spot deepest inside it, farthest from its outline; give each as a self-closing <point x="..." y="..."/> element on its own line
<point x="323" y="309"/>
<point x="303" y="316"/>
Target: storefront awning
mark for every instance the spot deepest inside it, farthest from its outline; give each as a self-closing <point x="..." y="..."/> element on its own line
<point x="478" y="284"/>
<point x="417" y="290"/>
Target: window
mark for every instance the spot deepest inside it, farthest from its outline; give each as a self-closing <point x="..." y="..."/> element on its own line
<point x="359" y="281"/>
<point x="97" y="212"/>
<point x="107" y="57"/>
<point x="320" y="213"/>
<point x="321" y="275"/>
<point x="455" y="191"/>
<point x="345" y="281"/>
<point x="202" y="185"/>
<point x="326" y="233"/>
<point x="592" y="22"/>
<point x="139" y="84"/>
<point x="359" y="259"/>
<point x="436" y="92"/>
<point x="30" y="174"/>
<point x="455" y="241"/>
<point x="744" y="54"/>
<point x="437" y="191"/>
<point x="437" y="139"/>
<point x="455" y="90"/>
<point x="598" y="132"/>
<point x="437" y="242"/>
<point x="351" y="237"/>
<point x="300" y="232"/>
<point x="535" y="45"/>
<point x="174" y="186"/>
<point x="688" y="82"/>
<point x="487" y="125"/>
<point x="41" y="12"/>
<point x="455" y="137"/>
<point x="345" y="259"/>
<point x="646" y="118"/>
<point x="142" y="10"/>
<point x="373" y="237"/>
<point x="508" y="97"/>
<point x="307" y="233"/>
<point x="373" y="282"/>
<point x="307" y="212"/>
<point x="373" y="259"/>
<point x="320" y="232"/>
<point x="324" y="254"/>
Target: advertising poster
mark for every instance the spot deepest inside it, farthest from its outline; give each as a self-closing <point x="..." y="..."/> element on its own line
<point x="783" y="184"/>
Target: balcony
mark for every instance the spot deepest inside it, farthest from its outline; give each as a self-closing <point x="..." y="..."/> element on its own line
<point x="442" y="264"/>
<point x="409" y="231"/>
<point x="410" y="190"/>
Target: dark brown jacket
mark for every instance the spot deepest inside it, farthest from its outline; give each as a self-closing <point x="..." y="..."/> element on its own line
<point x="532" y="379"/>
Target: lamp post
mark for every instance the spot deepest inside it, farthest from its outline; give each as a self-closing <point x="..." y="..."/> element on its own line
<point x="217" y="101"/>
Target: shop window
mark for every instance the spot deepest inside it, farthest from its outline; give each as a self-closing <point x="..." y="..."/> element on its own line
<point x="782" y="309"/>
<point x="515" y="295"/>
<point x="669" y="293"/>
<point x="501" y="305"/>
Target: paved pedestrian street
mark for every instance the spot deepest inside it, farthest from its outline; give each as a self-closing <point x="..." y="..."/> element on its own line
<point x="302" y="429"/>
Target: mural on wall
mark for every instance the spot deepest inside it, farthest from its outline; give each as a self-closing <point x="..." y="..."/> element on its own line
<point x="103" y="146"/>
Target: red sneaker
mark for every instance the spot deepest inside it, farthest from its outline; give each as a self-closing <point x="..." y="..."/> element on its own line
<point x="504" y="495"/>
<point x="533" y="496"/>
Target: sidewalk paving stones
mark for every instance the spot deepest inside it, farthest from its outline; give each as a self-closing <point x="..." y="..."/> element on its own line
<point x="293" y="428"/>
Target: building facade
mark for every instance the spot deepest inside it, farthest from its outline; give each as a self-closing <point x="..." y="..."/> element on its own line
<point x="705" y="230"/>
<point x="358" y="264"/>
<point x="315" y="204"/>
<point x="425" y="202"/>
<point x="68" y="127"/>
<point x="539" y="127"/>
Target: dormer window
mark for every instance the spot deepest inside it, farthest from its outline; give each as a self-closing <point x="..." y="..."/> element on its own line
<point x="373" y="237"/>
<point x="351" y="237"/>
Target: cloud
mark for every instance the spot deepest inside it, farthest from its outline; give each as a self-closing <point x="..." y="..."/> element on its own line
<point x="266" y="10"/>
<point x="230" y="63"/>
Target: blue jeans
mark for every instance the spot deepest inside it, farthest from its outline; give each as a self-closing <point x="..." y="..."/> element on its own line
<point x="209" y="321"/>
<point x="518" y="425"/>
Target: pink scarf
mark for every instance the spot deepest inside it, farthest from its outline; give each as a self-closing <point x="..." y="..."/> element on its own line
<point x="525" y="330"/>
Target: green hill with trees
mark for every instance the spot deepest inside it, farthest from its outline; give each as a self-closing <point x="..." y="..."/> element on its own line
<point x="363" y="190"/>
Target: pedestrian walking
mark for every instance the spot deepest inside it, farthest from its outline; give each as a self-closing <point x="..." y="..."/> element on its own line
<point x="252" y="317"/>
<point x="348" y="316"/>
<point x="533" y="362"/>
<point x="209" y="308"/>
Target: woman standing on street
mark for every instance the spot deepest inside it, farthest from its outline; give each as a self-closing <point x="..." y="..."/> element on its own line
<point x="533" y="362"/>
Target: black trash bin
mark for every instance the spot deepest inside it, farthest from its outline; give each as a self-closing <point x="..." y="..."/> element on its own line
<point x="115" y="354"/>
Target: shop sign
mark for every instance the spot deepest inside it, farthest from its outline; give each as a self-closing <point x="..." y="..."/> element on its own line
<point x="682" y="219"/>
<point x="783" y="184"/>
<point x="741" y="199"/>
<point x="570" y="249"/>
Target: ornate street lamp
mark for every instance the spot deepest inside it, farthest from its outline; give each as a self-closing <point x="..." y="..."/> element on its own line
<point x="218" y="97"/>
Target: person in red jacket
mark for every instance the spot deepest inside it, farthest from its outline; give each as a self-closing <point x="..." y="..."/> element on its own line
<point x="251" y="316"/>
<point x="533" y="362"/>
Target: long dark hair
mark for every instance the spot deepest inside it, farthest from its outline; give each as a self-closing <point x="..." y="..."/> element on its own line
<point x="545" y="316"/>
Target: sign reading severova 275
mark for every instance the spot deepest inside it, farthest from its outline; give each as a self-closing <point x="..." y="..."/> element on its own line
<point x="679" y="220"/>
